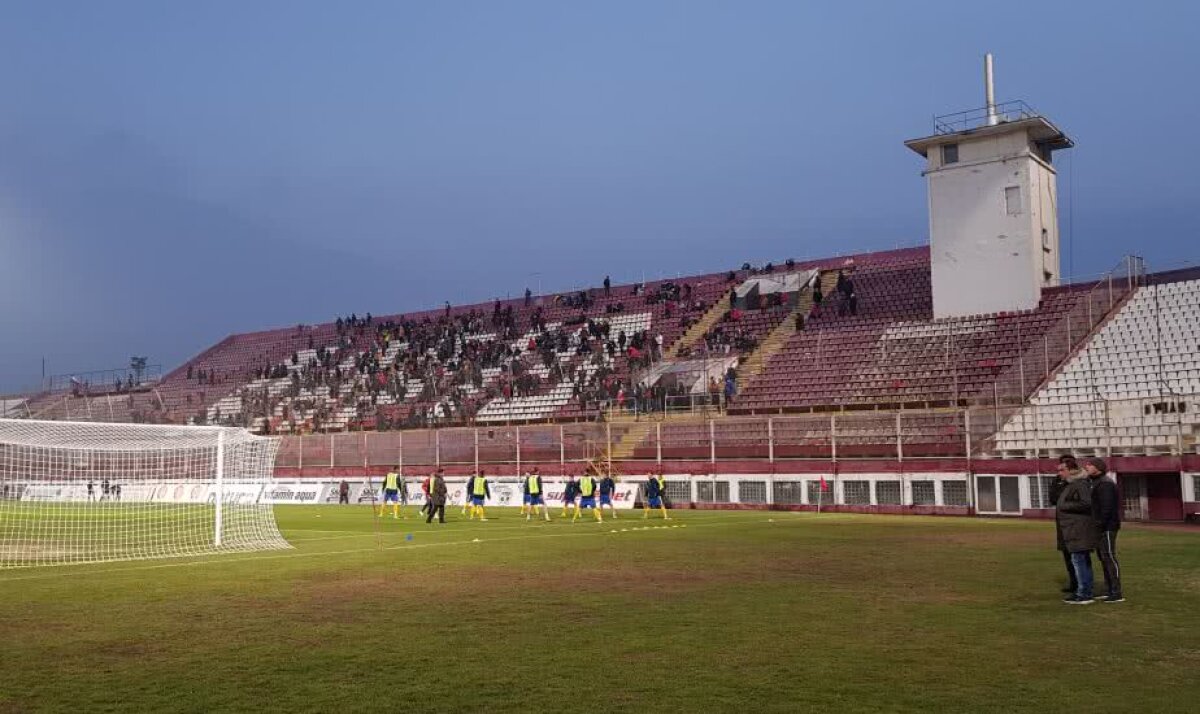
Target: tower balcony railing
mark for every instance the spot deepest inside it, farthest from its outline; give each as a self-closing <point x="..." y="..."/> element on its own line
<point x="1015" y="110"/>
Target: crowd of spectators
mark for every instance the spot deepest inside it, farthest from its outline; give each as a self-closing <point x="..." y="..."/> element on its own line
<point x="375" y="366"/>
<point x="401" y="372"/>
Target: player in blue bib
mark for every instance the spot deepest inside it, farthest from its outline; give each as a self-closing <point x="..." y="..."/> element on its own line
<point x="569" y="494"/>
<point x="608" y="487"/>
<point x="656" y="490"/>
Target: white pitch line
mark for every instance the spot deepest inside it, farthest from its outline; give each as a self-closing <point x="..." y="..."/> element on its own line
<point x="432" y="530"/>
<point x="218" y="559"/>
<point x="462" y="527"/>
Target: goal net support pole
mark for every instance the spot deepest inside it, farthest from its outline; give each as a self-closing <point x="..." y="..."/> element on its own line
<point x="219" y="495"/>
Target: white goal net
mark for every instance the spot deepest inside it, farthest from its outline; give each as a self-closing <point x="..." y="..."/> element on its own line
<point x="87" y="492"/>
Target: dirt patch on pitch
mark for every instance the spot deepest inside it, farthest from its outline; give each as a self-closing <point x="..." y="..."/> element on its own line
<point x="339" y="598"/>
<point x="981" y="538"/>
<point x="856" y="575"/>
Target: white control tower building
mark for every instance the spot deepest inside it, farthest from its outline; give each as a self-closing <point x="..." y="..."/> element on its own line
<point x="993" y="206"/>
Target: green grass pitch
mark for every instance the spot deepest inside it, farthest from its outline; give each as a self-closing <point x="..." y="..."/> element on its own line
<point x="719" y="611"/>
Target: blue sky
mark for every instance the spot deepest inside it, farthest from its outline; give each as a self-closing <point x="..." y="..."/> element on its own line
<point x="171" y="173"/>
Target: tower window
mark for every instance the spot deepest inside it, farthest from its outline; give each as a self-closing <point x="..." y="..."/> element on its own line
<point x="949" y="153"/>
<point x="1012" y="200"/>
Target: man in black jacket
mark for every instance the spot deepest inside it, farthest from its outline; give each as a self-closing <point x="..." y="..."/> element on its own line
<point x="437" y="498"/>
<point x="1106" y="512"/>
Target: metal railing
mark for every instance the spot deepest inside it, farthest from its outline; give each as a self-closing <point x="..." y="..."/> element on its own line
<point x="1015" y="110"/>
<point x="1162" y="425"/>
<point x="103" y="381"/>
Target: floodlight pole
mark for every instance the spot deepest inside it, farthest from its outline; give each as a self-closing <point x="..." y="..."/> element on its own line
<point x="219" y="491"/>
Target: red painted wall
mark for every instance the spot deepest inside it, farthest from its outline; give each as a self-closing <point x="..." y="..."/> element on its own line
<point x="1164" y="497"/>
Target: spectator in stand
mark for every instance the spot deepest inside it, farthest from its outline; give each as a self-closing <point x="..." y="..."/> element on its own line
<point x="528" y="297"/>
<point x="799" y="322"/>
<point x="817" y="295"/>
<point x="607" y="286"/>
<point x="852" y="301"/>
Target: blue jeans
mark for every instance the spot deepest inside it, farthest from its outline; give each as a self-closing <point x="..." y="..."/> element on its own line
<point x="1082" y="562"/>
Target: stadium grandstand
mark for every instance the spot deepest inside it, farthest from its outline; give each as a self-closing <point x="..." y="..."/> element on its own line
<point x="942" y="378"/>
<point x="875" y="394"/>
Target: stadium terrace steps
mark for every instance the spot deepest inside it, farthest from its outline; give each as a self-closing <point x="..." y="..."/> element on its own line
<point x="1130" y="389"/>
<point x="883" y="434"/>
<point x="893" y="353"/>
<point x="105" y="408"/>
<point x="634" y="434"/>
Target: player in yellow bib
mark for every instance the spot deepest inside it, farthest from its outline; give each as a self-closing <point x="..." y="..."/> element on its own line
<point x="478" y="492"/>
<point x="588" y="486"/>
<point x="535" y="496"/>
<point x="392" y="484"/>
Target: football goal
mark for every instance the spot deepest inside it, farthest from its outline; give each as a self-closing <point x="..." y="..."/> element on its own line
<point x="89" y="492"/>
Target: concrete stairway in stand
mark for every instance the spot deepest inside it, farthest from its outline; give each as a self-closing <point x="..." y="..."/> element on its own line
<point x="632" y="434"/>
<point x="754" y="364"/>
<point x="701" y="326"/>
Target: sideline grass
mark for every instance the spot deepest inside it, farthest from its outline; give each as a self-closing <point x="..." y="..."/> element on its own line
<point x="726" y="612"/>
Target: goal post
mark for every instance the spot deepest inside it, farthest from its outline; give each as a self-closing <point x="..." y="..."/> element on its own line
<point x="73" y="492"/>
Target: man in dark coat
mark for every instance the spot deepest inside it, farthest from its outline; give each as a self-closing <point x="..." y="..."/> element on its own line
<point x="1106" y="515"/>
<point x="1079" y="535"/>
<point x="1068" y="469"/>
<point x="437" y="498"/>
